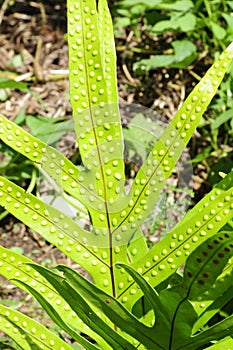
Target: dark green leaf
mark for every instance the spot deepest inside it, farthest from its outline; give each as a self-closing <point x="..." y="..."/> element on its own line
<point x="82" y="308"/>
<point x="12" y="84"/>
<point x="56" y="317"/>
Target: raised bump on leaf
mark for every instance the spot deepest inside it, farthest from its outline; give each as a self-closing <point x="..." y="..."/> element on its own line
<point x="15" y="266"/>
<point x="96" y="113"/>
<point x="160" y="162"/>
<point x="210" y="308"/>
<point x="28" y="333"/>
<point x="221" y="285"/>
<point x="166" y="256"/>
<point x="206" y="264"/>
<point x="108" y="54"/>
<point x="115" y="218"/>
<point x="63" y="172"/>
<point x="82" y="246"/>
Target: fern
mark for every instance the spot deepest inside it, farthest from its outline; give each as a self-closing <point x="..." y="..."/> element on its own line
<point x="114" y="251"/>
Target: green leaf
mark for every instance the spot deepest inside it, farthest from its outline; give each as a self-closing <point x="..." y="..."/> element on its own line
<point x="206" y="263"/>
<point x="153" y="174"/>
<point x="12" y="84"/>
<point x="13" y="265"/>
<point x="225" y="344"/>
<point x="218" y="31"/>
<point x="116" y="215"/>
<point x="180" y="5"/>
<point x="3" y="95"/>
<point x="221" y="119"/>
<point x="82" y="308"/>
<point x="110" y="307"/>
<point x="149" y="292"/>
<point x="155" y="62"/>
<point x="215" y="305"/>
<point x="48" y="130"/>
<point x="28" y="333"/>
<point x="216" y="332"/>
<point x="122" y="22"/>
<point x="57" y="228"/>
<point x="51" y="311"/>
<point x="108" y="54"/>
<point x="94" y="102"/>
<point x="224" y="185"/>
<point x="201" y="270"/>
<point x="184" y="55"/>
<point x="202" y="222"/>
<point x="64" y="173"/>
<point x="167" y="304"/>
<point x="228" y="18"/>
<point x="182" y="316"/>
<point x="148" y="3"/>
<point x="184" y="23"/>
<point x="175" y="300"/>
<point x="203" y="305"/>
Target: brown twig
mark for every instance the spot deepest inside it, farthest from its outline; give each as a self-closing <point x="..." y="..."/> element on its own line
<point x="40" y="6"/>
<point x="3" y="10"/>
